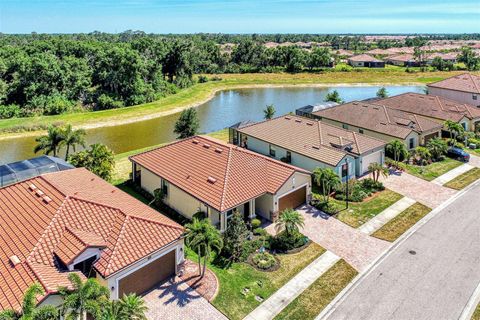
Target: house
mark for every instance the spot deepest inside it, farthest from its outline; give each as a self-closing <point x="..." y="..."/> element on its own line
<point x="437" y="108"/>
<point x="202" y="174"/>
<point x="446" y="57"/>
<point x="365" y="60"/>
<point x="403" y="60"/>
<point x="307" y="110"/>
<point x="381" y="122"/>
<point x="308" y="144"/>
<point x="73" y="221"/>
<point x="464" y="88"/>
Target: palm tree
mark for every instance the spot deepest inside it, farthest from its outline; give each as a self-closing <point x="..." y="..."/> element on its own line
<point x="327" y="179"/>
<point x="269" y="112"/>
<point x="51" y="143"/>
<point x="454" y="128"/>
<point x="398" y="149"/>
<point x="291" y="221"/>
<point x="377" y="169"/>
<point x="132" y="307"/>
<point x="29" y="309"/>
<point x="203" y="238"/>
<point x="437" y="148"/>
<point x="72" y="138"/>
<point x="88" y="296"/>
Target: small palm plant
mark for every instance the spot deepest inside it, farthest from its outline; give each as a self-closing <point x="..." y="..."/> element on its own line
<point x="269" y="112"/>
<point x="326" y="179"/>
<point x="291" y="221"/>
<point x="454" y="128"/>
<point x="377" y="170"/>
<point x="398" y="149"/>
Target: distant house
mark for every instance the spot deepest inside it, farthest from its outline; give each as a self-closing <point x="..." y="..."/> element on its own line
<point x="202" y="174"/>
<point x="403" y="60"/>
<point x="464" y="88"/>
<point x="72" y="221"/>
<point x="309" y="144"/>
<point x="365" y="60"/>
<point x="381" y="122"/>
<point x="436" y="108"/>
<point x="343" y="53"/>
<point x="446" y="57"/>
<point x="307" y="110"/>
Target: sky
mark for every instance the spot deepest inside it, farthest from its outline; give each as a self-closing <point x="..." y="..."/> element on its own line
<point x="240" y="16"/>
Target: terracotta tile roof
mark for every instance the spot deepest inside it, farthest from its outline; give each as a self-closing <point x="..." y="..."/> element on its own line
<point x="311" y="138"/>
<point x="378" y="118"/>
<point x="407" y="57"/>
<point x="74" y="242"/>
<point x="431" y="106"/>
<point x="36" y="226"/>
<point x="364" y="58"/>
<point x="219" y="174"/>
<point x="466" y="82"/>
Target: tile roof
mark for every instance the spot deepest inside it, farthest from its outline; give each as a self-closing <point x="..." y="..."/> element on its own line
<point x="311" y="138"/>
<point x="466" y="82"/>
<point x="219" y="174"/>
<point x="406" y="57"/>
<point x="364" y="57"/>
<point x="431" y="106"/>
<point x="74" y="242"/>
<point x="35" y="226"/>
<point x="378" y="118"/>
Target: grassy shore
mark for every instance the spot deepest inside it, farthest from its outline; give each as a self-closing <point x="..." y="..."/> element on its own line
<point x="199" y="93"/>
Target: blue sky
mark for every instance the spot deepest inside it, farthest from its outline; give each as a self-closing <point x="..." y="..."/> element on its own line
<point x="240" y="16"/>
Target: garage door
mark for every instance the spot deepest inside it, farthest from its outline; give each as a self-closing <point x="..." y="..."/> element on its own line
<point x="368" y="159"/>
<point x="293" y="199"/>
<point x="150" y="275"/>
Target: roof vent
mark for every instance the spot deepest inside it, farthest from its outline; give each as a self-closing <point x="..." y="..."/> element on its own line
<point x="288" y="118"/>
<point x="298" y="120"/>
<point x="195" y="141"/>
<point x="32" y="187"/>
<point x="309" y="124"/>
<point x="14" y="260"/>
<point x="206" y="146"/>
<point x="355" y="103"/>
<point x="218" y="150"/>
<point x="316" y="147"/>
<point x="212" y="180"/>
<point x="383" y="123"/>
<point x="47" y="199"/>
<point x="39" y="193"/>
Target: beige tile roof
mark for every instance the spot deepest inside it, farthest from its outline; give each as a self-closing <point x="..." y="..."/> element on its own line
<point x="407" y="57"/>
<point x="379" y="118"/>
<point x="364" y="58"/>
<point x="311" y="138"/>
<point x="39" y="216"/>
<point x="219" y="174"/>
<point x="431" y="106"/>
<point x="466" y="82"/>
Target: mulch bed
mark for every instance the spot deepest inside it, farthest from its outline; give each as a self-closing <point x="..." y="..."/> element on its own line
<point x="207" y="286"/>
<point x="275" y="267"/>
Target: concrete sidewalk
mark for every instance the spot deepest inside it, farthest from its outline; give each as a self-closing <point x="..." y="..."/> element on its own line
<point x="386" y="215"/>
<point x="452" y="174"/>
<point x="293" y="288"/>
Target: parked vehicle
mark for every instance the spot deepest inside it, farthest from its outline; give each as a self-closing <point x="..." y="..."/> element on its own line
<point x="459" y="154"/>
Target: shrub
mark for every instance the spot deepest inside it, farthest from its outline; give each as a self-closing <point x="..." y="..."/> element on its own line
<point x="372" y="185"/>
<point x="10" y="111"/>
<point x="256" y="223"/>
<point x="199" y="215"/>
<point x="105" y="102"/>
<point x="202" y="79"/>
<point x="250" y="247"/>
<point x="285" y="242"/>
<point x="324" y="206"/>
<point x="259" y="232"/>
<point x="264" y="260"/>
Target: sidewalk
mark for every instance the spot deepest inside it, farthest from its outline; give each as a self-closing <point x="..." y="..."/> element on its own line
<point x="452" y="174"/>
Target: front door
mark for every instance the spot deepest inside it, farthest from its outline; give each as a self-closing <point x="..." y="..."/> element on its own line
<point x="246" y="211"/>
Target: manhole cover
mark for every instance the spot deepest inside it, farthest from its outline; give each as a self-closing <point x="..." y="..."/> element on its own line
<point x="412" y="252"/>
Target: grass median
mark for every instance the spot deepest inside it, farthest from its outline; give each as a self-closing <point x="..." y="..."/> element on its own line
<point x="464" y="180"/>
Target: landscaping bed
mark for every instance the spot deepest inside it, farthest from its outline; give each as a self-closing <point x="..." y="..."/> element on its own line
<point x="318" y="295"/>
<point x="393" y="229"/>
<point x="464" y="180"/>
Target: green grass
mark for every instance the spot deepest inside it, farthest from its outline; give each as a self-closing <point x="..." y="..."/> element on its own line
<point x="433" y="170"/>
<point x="230" y="299"/>
<point x="393" y="229"/>
<point x="199" y="93"/>
<point x="360" y="212"/>
<point x="316" y="297"/>
<point x="464" y="180"/>
<point x="476" y="314"/>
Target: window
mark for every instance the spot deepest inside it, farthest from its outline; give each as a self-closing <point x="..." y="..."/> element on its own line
<point x="272" y="151"/>
<point x="411" y="143"/>
<point x="360" y="130"/>
<point x="289" y="157"/>
<point x="344" y="170"/>
<point x="165" y="187"/>
<point x="474" y="97"/>
<point x="464" y="125"/>
<point x="86" y="267"/>
<point x="345" y="126"/>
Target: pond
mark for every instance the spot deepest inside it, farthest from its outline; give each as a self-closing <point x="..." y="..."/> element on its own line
<point x="226" y="108"/>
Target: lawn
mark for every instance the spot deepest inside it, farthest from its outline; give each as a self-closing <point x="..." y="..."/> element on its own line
<point x="476" y="314"/>
<point x="402" y="222"/>
<point x="360" y="212"/>
<point x="464" y="180"/>
<point x="433" y="170"/>
<point x="316" y="297"/>
<point x="230" y="299"/>
<point x="201" y="92"/>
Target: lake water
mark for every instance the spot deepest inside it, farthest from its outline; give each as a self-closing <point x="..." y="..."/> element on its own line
<point x="226" y="108"/>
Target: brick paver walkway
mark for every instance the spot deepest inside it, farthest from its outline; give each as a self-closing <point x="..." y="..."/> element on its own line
<point x="206" y="286"/>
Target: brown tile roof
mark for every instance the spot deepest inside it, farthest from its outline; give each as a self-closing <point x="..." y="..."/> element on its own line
<point x="39" y="216"/>
<point x="466" y="82"/>
<point x="378" y="118"/>
<point x="407" y="57"/>
<point x="74" y="242"/>
<point x="219" y="174"/>
<point x="364" y="57"/>
<point x="431" y="106"/>
<point x="311" y="138"/>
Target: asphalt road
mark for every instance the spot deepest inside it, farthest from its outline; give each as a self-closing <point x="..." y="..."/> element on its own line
<point x="431" y="275"/>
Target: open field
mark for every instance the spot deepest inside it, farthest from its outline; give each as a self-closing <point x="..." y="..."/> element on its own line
<point x="199" y="93"/>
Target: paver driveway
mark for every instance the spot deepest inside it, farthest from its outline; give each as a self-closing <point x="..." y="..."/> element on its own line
<point x="428" y="193"/>
<point x="176" y="300"/>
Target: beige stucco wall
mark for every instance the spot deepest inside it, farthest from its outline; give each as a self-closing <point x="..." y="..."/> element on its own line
<point x="264" y="206"/>
<point x="463" y="97"/>
<point x="297" y="180"/>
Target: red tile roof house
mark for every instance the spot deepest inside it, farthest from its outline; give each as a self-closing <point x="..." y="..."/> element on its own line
<point x="73" y="221"/>
<point x="365" y="60"/>
<point x="464" y="88"/>
<point x="309" y="143"/>
<point x="202" y="174"/>
<point x="437" y="108"/>
<point x="403" y="60"/>
<point x="381" y="122"/>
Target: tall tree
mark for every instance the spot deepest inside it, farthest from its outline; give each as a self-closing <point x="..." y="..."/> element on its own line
<point x="326" y="179"/>
<point x="291" y="221"/>
<point x="437" y="148"/>
<point x="187" y="124"/>
<point x="51" y="143"/>
<point x="382" y="93"/>
<point x="469" y="58"/>
<point x="98" y="159"/>
<point x="234" y="237"/>
<point x="72" y="138"/>
<point x="269" y="112"/>
<point x="333" y="96"/>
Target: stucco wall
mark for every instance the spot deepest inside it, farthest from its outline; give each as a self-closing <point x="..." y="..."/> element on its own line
<point x="264" y="206"/>
<point x="296" y="181"/>
<point x="463" y="97"/>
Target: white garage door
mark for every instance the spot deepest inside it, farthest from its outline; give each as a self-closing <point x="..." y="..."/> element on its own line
<point x="374" y="157"/>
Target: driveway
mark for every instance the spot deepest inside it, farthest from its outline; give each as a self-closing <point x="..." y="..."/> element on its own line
<point x="430" y="194"/>
<point x="176" y="300"/>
